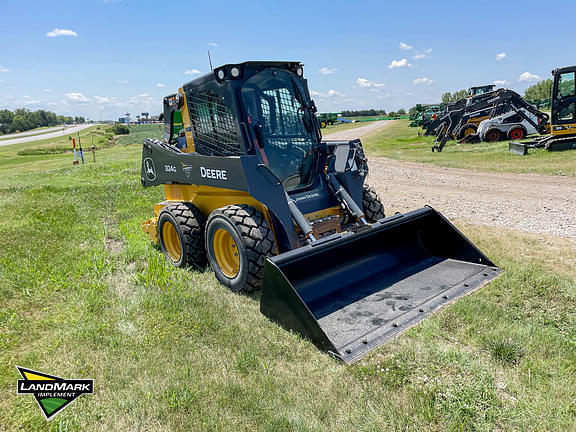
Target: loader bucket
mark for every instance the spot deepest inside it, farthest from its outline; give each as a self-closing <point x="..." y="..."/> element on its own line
<point x="518" y="148"/>
<point x="350" y="293"/>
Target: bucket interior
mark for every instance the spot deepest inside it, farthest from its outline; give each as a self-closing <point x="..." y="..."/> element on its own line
<point x="364" y="289"/>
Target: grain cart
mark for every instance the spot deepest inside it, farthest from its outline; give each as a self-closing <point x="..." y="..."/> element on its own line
<point x="253" y="190"/>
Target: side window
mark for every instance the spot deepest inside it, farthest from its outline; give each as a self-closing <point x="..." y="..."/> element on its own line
<point x="177" y="124"/>
<point x="213" y="125"/>
<point x="513" y="119"/>
<point x="567" y="113"/>
<point x="566" y="85"/>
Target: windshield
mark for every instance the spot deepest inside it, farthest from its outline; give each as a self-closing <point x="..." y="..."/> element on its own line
<point x="273" y="100"/>
<point x="566" y="85"/>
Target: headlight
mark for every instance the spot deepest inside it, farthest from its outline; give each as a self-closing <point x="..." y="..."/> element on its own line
<point x="221" y="74"/>
<point x="235" y="72"/>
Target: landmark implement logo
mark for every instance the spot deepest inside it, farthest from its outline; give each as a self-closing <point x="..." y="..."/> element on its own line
<point x="52" y="393"/>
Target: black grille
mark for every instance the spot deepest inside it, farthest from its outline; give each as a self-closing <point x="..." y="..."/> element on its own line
<point x="212" y="125"/>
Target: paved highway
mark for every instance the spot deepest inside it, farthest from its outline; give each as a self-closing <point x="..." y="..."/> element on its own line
<point x="25" y="136"/>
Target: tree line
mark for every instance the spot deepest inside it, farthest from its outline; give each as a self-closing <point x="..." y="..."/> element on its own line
<point x="22" y="119"/>
<point x="373" y="113"/>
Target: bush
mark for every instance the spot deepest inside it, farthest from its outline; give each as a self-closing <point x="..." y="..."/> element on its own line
<point x="121" y="129"/>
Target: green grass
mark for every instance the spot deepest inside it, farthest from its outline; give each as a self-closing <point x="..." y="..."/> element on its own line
<point x="85" y="295"/>
<point x="399" y="141"/>
<point x="342" y="127"/>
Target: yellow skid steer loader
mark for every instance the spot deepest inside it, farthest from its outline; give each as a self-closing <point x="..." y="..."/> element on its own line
<point x="253" y="190"/>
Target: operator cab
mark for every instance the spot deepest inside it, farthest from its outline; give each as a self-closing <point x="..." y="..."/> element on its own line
<point x="475" y="91"/>
<point x="278" y="115"/>
<point x="564" y="96"/>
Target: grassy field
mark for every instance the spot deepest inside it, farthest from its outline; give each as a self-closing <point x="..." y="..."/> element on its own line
<point x="342" y="127"/>
<point x="85" y="295"/>
<point x="399" y="141"/>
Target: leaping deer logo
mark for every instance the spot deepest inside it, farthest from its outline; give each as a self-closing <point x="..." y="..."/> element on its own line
<point x="149" y="168"/>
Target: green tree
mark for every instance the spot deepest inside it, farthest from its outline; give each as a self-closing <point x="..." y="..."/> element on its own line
<point x="6" y="118"/>
<point x="540" y="90"/>
<point x="460" y="94"/>
<point x="454" y="97"/>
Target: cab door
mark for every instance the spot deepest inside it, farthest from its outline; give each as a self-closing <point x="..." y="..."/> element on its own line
<point x="564" y="102"/>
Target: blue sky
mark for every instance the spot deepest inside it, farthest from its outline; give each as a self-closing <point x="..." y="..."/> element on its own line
<point x="101" y="58"/>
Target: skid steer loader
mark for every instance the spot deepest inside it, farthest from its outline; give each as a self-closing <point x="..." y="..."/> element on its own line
<point x="253" y="189"/>
<point x="562" y="120"/>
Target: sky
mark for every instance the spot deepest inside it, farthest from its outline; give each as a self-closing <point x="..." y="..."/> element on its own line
<point x="103" y="58"/>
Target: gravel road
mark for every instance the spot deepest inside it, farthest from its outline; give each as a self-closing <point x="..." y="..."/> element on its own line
<point x="351" y="134"/>
<point x="528" y="202"/>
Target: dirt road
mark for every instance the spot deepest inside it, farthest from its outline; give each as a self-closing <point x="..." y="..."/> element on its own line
<point x="527" y="202"/>
<point x="358" y="132"/>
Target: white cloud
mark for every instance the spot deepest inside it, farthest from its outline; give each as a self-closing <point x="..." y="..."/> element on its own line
<point x="121" y="82"/>
<point x="107" y="101"/>
<point x="61" y="32"/>
<point x="332" y="92"/>
<point x="399" y="64"/>
<point x="500" y="56"/>
<point x="329" y="94"/>
<point x="76" y="98"/>
<point x="214" y="44"/>
<point x="500" y="82"/>
<point x="160" y="85"/>
<point x="405" y="47"/>
<point x="419" y="56"/>
<point x="528" y="77"/>
<point x="143" y="95"/>
<point x="328" y="71"/>
<point x="424" y="80"/>
<point x="428" y="51"/>
<point x="363" y="82"/>
<point x="191" y="72"/>
<point x="48" y="90"/>
<point x="3" y="69"/>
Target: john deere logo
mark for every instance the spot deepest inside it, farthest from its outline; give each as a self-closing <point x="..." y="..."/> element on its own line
<point x="187" y="169"/>
<point x="149" y="168"/>
<point x="52" y="393"/>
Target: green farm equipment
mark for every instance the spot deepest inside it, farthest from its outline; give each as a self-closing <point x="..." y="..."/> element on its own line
<point x="327" y="119"/>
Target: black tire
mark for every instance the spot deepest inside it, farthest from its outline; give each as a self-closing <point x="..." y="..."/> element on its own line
<point x="492" y="135"/>
<point x="322" y="124"/>
<point x="517" y="133"/>
<point x="466" y="127"/>
<point x="189" y="224"/>
<point x="254" y="241"/>
<point x="373" y="207"/>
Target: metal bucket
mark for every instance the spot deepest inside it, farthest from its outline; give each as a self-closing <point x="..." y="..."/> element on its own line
<point x="518" y="148"/>
<point x="351" y="292"/>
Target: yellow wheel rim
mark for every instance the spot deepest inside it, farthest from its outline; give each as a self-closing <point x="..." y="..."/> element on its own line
<point x="226" y="253"/>
<point x="171" y="241"/>
<point x="468" y="131"/>
<point x="322" y="125"/>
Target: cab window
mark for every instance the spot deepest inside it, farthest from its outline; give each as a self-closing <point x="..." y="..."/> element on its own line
<point x="566" y="85"/>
